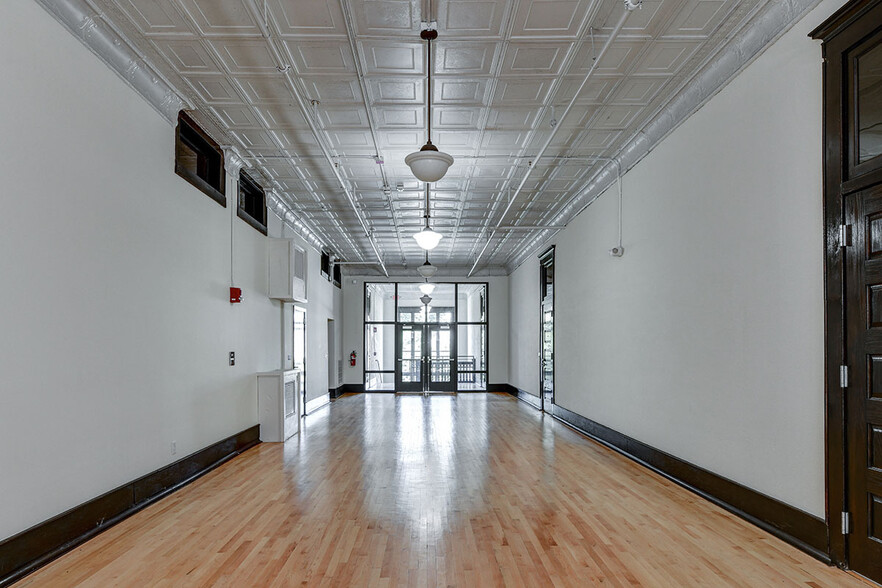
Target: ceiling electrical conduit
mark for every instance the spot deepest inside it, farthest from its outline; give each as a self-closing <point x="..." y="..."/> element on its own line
<point x="733" y="57"/>
<point x="307" y="115"/>
<point x="630" y="5"/>
<point x="287" y="216"/>
<point x="556" y="228"/>
<point x="372" y="125"/>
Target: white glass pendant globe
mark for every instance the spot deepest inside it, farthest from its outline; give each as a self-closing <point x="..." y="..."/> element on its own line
<point x="429" y="165"/>
<point x="427" y="270"/>
<point x="427" y="238"/>
<point x="427" y="288"/>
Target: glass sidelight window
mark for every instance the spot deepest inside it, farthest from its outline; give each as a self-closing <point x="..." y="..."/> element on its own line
<point x="414" y="346"/>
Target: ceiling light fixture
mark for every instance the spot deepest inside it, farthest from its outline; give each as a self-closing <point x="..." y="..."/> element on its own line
<point x="427" y="288"/>
<point x="427" y="238"/>
<point x="428" y="164"/>
<point x="425" y="299"/>
<point x="427" y="270"/>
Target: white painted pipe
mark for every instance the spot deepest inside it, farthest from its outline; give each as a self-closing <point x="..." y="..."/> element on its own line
<point x="615" y="33"/>
<point x="745" y="44"/>
<point x="301" y="102"/>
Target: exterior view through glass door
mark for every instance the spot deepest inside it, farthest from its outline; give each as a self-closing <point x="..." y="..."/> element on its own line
<point x="425" y="359"/>
<point x="442" y="367"/>
<point x="409" y="373"/>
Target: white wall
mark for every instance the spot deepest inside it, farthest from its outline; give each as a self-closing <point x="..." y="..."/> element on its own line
<point x="114" y="276"/>
<point x="353" y="325"/>
<point x="706" y="339"/>
<point x="524" y="327"/>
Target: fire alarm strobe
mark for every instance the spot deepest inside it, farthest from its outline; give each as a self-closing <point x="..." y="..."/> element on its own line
<point x="235" y="295"/>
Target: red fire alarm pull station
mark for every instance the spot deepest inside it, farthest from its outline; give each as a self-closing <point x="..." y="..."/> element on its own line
<point x="235" y="295"/>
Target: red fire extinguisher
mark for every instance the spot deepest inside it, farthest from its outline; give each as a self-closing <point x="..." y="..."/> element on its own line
<point x="352" y="359"/>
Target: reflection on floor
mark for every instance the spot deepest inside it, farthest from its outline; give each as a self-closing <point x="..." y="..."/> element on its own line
<point x="467" y="490"/>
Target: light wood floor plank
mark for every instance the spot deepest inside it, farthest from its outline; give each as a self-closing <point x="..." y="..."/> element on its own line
<point x="468" y="490"/>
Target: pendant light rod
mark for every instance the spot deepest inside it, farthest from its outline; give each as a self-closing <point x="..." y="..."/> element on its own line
<point x="429" y="164"/>
<point x="429" y="36"/>
<point x="428" y="214"/>
<point x="629" y="7"/>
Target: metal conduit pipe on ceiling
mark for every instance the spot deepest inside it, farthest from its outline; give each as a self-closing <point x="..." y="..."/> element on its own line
<point x="287" y="216"/>
<point x="629" y="7"/>
<point x="744" y="46"/>
<point x="307" y="115"/>
<point x="353" y="46"/>
<point x="562" y="226"/>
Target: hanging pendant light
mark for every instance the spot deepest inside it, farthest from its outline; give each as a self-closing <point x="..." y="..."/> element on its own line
<point x="427" y="238"/>
<point x="427" y="288"/>
<point x="425" y="299"/>
<point x="428" y="164"/>
<point x="427" y="270"/>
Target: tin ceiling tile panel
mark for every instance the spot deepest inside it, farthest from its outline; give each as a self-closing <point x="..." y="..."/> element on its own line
<point x="504" y="73"/>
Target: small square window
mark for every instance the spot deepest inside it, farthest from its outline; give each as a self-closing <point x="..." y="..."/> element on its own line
<point x="326" y="265"/>
<point x="252" y="202"/>
<point x="337" y="276"/>
<point x="199" y="160"/>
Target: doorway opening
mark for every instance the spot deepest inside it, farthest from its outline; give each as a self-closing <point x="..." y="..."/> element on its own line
<point x="299" y="358"/>
<point x="332" y="359"/>
<point x="546" y="331"/>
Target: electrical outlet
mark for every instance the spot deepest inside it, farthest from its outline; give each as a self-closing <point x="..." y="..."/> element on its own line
<point x="174" y="447"/>
<point x="232" y="358"/>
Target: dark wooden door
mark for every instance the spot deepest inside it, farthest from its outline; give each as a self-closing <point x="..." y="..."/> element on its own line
<point x="864" y="390"/>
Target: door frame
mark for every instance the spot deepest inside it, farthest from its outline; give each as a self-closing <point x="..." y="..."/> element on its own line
<point x="304" y="311"/>
<point x="546" y="258"/>
<point x="426" y="384"/>
<point x="842" y="31"/>
<point x="411" y="387"/>
<point x="452" y="384"/>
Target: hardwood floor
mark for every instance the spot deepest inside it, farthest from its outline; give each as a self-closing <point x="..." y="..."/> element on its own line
<point x="471" y="490"/>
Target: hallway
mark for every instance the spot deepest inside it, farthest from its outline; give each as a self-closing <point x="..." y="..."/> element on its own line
<point x="467" y="490"/>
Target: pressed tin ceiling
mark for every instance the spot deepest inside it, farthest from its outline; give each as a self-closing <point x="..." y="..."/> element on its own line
<point x="286" y="81"/>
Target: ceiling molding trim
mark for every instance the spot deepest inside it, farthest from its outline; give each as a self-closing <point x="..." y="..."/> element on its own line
<point x="78" y="17"/>
<point x="84" y="23"/>
<point x="281" y="209"/>
<point x="750" y="42"/>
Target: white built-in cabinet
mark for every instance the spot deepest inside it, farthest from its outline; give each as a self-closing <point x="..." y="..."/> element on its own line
<point x="278" y="404"/>
<point x="287" y="270"/>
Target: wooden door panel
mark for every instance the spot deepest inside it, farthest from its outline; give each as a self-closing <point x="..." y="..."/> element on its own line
<point x="875" y="447"/>
<point x="864" y="394"/>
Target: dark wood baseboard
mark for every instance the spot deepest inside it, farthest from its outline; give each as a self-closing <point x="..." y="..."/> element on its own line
<point x="530" y="399"/>
<point x="336" y="393"/>
<point x="31" y="549"/>
<point x="798" y="528"/>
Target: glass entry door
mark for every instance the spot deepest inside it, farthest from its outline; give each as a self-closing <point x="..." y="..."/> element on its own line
<point x="411" y="355"/>
<point x="442" y="376"/>
<point x="426" y="358"/>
